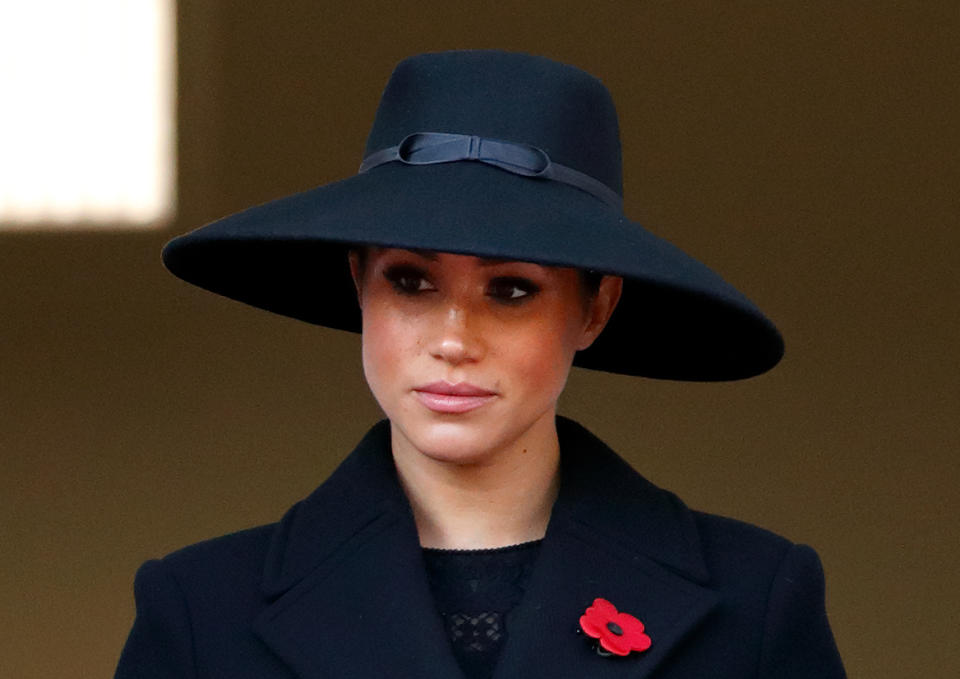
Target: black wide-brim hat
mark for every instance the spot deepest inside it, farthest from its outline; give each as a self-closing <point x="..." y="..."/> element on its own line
<point x="493" y="154"/>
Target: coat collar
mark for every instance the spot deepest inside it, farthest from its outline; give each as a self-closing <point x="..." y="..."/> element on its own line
<point x="349" y="594"/>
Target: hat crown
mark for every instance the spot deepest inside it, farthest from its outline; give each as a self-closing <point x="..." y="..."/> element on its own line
<point x="522" y="98"/>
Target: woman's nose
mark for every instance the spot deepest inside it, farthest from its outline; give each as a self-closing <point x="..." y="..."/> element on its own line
<point x="456" y="340"/>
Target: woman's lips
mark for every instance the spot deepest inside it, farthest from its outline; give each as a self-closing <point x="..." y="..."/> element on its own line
<point x="443" y="397"/>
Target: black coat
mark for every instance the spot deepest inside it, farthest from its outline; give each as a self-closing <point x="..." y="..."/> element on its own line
<point x="338" y="588"/>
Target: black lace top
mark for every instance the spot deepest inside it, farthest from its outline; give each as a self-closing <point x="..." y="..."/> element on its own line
<point x="474" y="589"/>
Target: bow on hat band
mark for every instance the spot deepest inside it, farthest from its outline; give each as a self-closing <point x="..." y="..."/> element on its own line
<point x="428" y="148"/>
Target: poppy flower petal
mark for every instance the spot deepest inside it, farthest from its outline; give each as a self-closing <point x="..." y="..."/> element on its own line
<point x="602" y="607"/>
<point x="633" y="630"/>
<point x="614" y="644"/>
<point x="629" y="624"/>
<point x="592" y="626"/>
<point x="641" y="643"/>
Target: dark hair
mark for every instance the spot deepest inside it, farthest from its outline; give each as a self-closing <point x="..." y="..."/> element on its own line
<point x="590" y="282"/>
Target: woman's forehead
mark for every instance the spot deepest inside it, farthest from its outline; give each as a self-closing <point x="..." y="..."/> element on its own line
<point x="436" y="255"/>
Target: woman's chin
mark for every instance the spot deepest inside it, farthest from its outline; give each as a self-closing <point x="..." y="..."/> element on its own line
<point x="458" y="442"/>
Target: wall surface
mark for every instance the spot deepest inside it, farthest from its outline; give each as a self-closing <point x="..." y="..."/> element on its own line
<point x="806" y="150"/>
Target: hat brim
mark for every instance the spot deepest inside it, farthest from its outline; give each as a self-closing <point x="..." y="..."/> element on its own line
<point x="677" y="319"/>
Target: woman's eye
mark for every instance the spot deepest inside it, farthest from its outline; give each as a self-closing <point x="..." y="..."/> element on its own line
<point x="512" y="289"/>
<point x="408" y="280"/>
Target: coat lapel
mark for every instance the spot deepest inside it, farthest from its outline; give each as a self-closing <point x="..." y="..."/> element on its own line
<point x="612" y="535"/>
<point x="352" y="597"/>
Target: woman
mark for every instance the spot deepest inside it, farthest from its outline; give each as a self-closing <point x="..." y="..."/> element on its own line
<point x="474" y="533"/>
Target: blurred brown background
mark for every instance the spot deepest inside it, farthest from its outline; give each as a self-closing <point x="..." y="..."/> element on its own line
<point x="806" y="150"/>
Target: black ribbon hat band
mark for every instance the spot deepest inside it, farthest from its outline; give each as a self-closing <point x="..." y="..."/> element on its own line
<point x="428" y="148"/>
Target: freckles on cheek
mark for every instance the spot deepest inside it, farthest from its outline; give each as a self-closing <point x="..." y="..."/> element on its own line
<point x="387" y="341"/>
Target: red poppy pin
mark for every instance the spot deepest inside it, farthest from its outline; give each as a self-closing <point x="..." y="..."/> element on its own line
<point x="618" y="633"/>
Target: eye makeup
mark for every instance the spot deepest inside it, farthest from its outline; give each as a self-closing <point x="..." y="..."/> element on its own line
<point x="512" y="289"/>
<point x="407" y="279"/>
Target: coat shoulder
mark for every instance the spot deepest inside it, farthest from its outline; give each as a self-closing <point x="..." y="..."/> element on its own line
<point x="223" y="562"/>
<point x="195" y="608"/>
<point x="747" y="562"/>
<point x="724" y="539"/>
<point x="779" y="583"/>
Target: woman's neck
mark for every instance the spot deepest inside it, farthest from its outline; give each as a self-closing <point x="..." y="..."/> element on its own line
<point x="504" y="499"/>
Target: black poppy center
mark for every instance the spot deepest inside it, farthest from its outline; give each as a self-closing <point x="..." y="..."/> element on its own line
<point x="615" y="628"/>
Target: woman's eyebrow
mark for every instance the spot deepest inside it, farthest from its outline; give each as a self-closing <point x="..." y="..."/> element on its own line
<point x="426" y="254"/>
<point x="484" y="261"/>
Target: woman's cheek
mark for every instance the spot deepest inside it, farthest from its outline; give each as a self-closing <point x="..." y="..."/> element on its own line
<point x="383" y="346"/>
<point x="543" y="359"/>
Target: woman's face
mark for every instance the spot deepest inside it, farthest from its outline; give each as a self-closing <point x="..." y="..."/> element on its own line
<point x="467" y="355"/>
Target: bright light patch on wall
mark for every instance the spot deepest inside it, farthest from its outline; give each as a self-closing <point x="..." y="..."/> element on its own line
<point x="86" y="113"/>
